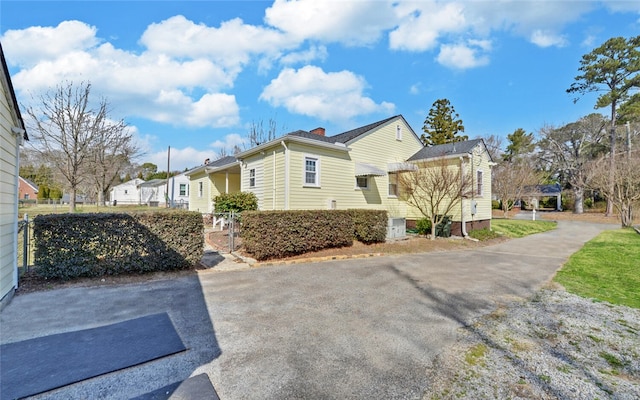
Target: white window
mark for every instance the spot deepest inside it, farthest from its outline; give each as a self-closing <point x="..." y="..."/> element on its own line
<point x="26" y="196"/>
<point x="393" y="184"/>
<point x="252" y="177"/>
<point x="184" y="189"/>
<point x="362" y="182"/>
<point x="479" y="183"/>
<point x="200" y="189"/>
<point x="398" y="132"/>
<point x="311" y="171"/>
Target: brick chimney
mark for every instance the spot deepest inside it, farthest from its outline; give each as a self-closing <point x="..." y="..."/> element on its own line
<point x="318" y="131"/>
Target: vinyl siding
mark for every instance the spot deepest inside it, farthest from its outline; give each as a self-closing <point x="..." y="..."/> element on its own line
<point x="8" y="197"/>
<point x="256" y="162"/>
<point x="197" y="202"/>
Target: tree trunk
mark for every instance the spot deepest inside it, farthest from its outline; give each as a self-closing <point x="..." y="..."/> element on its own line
<point x="578" y="193"/>
<point x="612" y="158"/>
<point x="72" y="200"/>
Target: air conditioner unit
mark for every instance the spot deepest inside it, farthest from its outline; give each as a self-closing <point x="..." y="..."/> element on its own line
<point x="396" y="228"/>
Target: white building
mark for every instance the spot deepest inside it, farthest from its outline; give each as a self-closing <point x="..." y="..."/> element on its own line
<point x="126" y="193"/>
<point x="153" y="193"/>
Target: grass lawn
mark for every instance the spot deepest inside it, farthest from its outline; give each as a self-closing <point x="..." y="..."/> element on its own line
<point x="519" y="228"/>
<point x="607" y="268"/>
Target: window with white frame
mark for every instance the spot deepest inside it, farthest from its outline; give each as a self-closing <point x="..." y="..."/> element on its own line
<point x="362" y="182"/>
<point x="311" y="171"/>
<point x="184" y="189"/>
<point x="200" y="189"/>
<point x="398" y="132"/>
<point x="479" y="183"/>
<point x="252" y="177"/>
<point x="393" y="184"/>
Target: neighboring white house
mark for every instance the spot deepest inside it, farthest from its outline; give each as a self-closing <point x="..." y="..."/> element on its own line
<point x="153" y="192"/>
<point x="126" y="193"/>
<point x="12" y="135"/>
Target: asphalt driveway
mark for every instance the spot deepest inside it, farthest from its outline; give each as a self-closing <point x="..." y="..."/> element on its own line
<point x="362" y="328"/>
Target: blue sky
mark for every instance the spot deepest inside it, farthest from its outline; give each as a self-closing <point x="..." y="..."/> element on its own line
<point x="194" y="75"/>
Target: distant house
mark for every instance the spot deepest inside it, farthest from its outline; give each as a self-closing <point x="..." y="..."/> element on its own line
<point x="12" y="135"/>
<point x="126" y="193"/>
<point x="358" y="168"/>
<point x="27" y="190"/>
<point x="153" y="192"/>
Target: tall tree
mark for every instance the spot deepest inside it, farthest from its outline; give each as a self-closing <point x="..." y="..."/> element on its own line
<point x="113" y="150"/>
<point x="520" y="143"/>
<point x="569" y="149"/>
<point x="510" y="180"/>
<point x="442" y="125"/>
<point x="614" y="69"/>
<point x="67" y="128"/>
<point x="625" y="190"/>
<point x="494" y="147"/>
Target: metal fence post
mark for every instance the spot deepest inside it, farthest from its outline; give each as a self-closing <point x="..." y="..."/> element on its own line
<point x="25" y="244"/>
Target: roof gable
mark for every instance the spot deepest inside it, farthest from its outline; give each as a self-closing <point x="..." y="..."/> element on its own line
<point x="354" y="133"/>
<point x="446" y="150"/>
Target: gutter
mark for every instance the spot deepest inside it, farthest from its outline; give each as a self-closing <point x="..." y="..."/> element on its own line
<point x="286" y="175"/>
<point x="463" y="223"/>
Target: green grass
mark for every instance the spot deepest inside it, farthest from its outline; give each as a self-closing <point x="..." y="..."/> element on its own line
<point x="483" y="234"/>
<point x="607" y="268"/>
<point x="519" y="228"/>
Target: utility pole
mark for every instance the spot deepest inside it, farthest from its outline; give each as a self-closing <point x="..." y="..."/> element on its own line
<point x="166" y="192"/>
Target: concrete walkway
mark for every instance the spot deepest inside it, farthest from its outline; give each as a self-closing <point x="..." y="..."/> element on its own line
<point x="355" y="329"/>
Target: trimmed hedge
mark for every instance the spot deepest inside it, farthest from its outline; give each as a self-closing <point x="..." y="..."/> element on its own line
<point x="278" y="234"/>
<point x="235" y="202"/>
<point x="370" y="226"/>
<point x="69" y="246"/>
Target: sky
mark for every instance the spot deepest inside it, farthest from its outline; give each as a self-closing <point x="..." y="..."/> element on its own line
<point x="196" y="75"/>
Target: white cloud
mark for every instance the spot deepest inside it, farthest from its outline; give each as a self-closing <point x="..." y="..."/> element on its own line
<point x="423" y="23"/>
<point x="231" y="141"/>
<point x="231" y="45"/>
<point x="347" y="22"/>
<point x="463" y="56"/>
<point x="547" y="39"/>
<point x="415" y="88"/>
<point x="305" y="57"/>
<point x="328" y="96"/>
<point x="163" y="87"/>
<point x="187" y="157"/>
<point x="31" y="46"/>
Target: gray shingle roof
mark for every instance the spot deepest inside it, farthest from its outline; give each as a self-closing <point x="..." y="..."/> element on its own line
<point x="354" y="133"/>
<point x="443" y="150"/>
<point x="222" y="161"/>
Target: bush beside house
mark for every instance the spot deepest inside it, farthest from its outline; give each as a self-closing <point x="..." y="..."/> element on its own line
<point x="69" y="246"/>
<point x="277" y="234"/>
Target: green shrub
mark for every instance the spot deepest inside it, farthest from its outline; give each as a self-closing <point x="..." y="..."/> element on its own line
<point x="423" y="226"/>
<point x="69" y="246"/>
<point x="235" y="202"/>
<point x="278" y="234"/>
<point x="495" y="204"/>
<point x="369" y="226"/>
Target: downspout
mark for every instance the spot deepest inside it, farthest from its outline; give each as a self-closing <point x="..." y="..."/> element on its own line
<point x="463" y="223"/>
<point x="286" y="175"/>
<point x="18" y="136"/>
<point x="273" y="178"/>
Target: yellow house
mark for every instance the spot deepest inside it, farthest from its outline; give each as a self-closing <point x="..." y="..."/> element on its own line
<point x="474" y="210"/>
<point x="354" y="169"/>
<point x="211" y="179"/>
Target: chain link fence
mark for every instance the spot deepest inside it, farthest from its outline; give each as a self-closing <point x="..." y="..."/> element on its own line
<point x="225" y="233"/>
<point x="25" y="245"/>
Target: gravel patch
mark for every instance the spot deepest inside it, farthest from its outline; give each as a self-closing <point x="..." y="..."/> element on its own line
<point x="553" y="346"/>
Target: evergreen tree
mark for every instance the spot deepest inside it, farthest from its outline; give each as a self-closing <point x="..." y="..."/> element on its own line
<point x="442" y="125"/>
<point x="520" y="143"/>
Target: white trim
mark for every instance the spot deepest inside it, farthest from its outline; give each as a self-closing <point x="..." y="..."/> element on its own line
<point x="479" y="182"/>
<point x="316" y="159"/>
<point x="399" y="132"/>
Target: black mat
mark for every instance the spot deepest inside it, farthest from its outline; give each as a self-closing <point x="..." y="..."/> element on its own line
<point x="197" y="387"/>
<point x="38" y="365"/>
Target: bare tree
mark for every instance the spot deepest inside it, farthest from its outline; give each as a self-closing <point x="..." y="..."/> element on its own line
<point x="112" y="152"/>
<point x="67" y="131"/>
<point x="494" y="147"/>
<point x="568" y="149"/>
<point x="258" y="134"/>
<point x="435" y="188"/>
<point x="625" y="190"/>
<point x="510" y="179"/>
